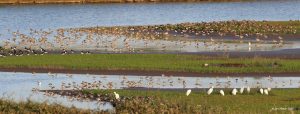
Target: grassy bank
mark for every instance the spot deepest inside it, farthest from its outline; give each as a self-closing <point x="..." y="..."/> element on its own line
<point x="155" y="101"/>
<point x="153" y="62"/>
<point x="30" y="107"/>
<point x="281" y="101"/>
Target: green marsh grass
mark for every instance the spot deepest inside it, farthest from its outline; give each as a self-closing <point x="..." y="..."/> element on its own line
<point x="199" y="102"/>
<point x="154" y="62"/>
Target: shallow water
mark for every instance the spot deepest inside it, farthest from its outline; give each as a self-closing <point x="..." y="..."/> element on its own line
<point x="53" y="16"/>
<point x="18" y="86"/>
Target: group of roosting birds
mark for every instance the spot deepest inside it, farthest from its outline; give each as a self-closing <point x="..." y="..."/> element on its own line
<point x="234" y="91"/>
<point x="72" y="87"/>
<point x="14" y="51"/>
<point x="126" y="38"/>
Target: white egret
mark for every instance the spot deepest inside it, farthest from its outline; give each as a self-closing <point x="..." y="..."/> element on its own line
<point x="261" y="91"/>
<point x="242" y="90"/>
<point x="248" y="89"/>
<point x="210" y="90"/>
<point x="188" y="92"/>
<point x="234" y="91"/>
<point x="269" y="89"/>
<point x="266" y="92"/>
<point x="206" y="64"/>
<point x="222" y="92"/>
<point x="117" y="95"/>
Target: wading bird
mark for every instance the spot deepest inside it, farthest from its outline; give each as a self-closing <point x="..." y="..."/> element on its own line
<point x="261" y="91"/>
<point x="266" y="92"/>
<point x="210" y="90"/>
<point x="234" y="91"/>
<point x="248" y="89"/>
<point x="117" y="96"/>
<point x="39" y="83"/>
<point x="222" y="92"/>
<point x="188" y="92"/>
<point x="242" y="90"/>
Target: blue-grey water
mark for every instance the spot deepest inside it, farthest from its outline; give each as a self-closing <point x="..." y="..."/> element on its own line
<point x="53" y="16"/>
<point x="18" y="86"/>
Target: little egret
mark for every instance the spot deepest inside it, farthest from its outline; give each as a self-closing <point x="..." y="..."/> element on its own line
<point x="222" y="92"/>
<point x="188" y="92"/>
<point x="242" y="90"/>
<point x="261" y="91"/>
<point x="234" y="91"/>
<point x="266" y="92"/>
<point x="210" y="90"/>
<point x="117" y="95"/>
<point x="248" y="89"/>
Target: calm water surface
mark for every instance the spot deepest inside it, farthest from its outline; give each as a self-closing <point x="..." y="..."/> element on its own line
<point x="24" y="17"/>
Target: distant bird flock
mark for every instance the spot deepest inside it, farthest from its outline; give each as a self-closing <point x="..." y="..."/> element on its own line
<point x="234" y="91"/>
<point x="214" y="36"/>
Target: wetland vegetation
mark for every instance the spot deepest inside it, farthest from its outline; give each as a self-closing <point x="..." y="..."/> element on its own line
<point x="152" y="62"/>
<point x="176" y="101"/>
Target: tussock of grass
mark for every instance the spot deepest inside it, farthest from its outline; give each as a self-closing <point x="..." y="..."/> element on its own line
<point x="153" y="62"/>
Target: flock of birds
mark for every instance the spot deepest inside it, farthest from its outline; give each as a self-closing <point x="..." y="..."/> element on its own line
<point x="139" y="38"/>
<point x="104" y="83"/>
<point x="210" y="35"/>
<point x="234" y="91"/>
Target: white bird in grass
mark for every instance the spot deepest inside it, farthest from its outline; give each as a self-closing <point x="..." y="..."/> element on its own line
<point x="188" y="92"/>
<point x="269" y="89"/>
<point x="234" y="91"/>
<point x="266" y="92"/>
<point x="261" y="91"/>
<point x="222" y="93"/>
<point x="242" y="90"/>
<point x="248" y="89"/>
<point x="210" y="90"/>
<point x="117" y="95"/>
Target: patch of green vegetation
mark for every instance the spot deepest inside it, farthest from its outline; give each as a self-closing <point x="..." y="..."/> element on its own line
<point x="199" y="102"/>
<point x="153" y="62"/>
